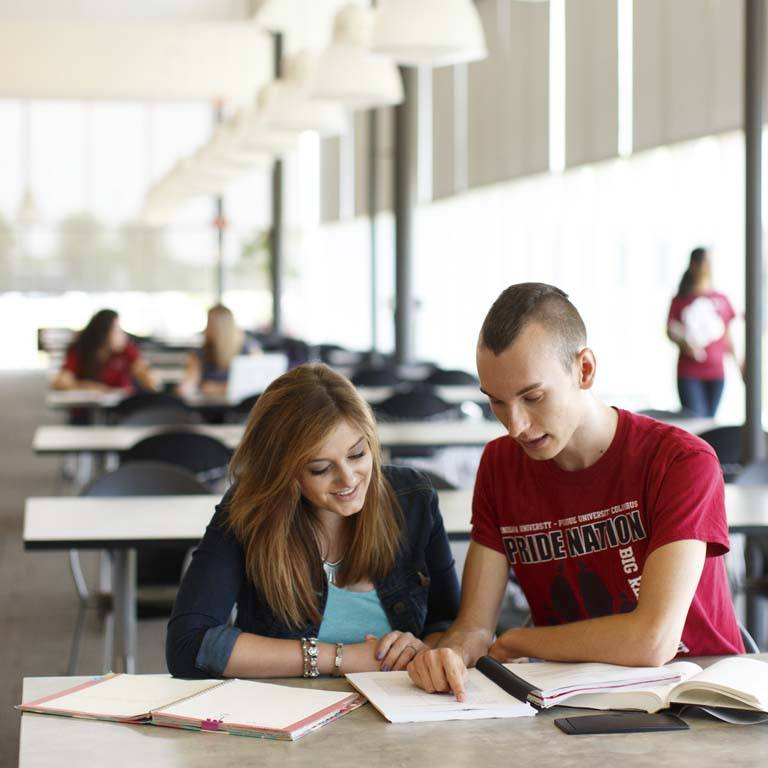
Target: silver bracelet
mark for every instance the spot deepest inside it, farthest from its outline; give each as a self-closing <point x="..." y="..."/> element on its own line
<point x="310" y="652"/>
<point x="338" y="660"/>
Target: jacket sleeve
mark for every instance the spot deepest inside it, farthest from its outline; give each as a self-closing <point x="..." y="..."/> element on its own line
<point x="199" y="641"/>
<point x="443" y="600"/>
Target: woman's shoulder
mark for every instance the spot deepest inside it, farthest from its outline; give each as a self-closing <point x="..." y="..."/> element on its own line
<point x="407" y="480"/>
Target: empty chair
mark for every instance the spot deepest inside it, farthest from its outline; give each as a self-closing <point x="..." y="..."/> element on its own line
<point x="727" y="443"/>
<point x="375" y="377"/>
<point x="150" y="408"/>
<point x="418" y="404"/>
<point x="239" y="413"/>
<point x="437" y="480"/>
<point x="204" y="456"/>
<point x="441" y="377"/>
<point x="158" y="566"/>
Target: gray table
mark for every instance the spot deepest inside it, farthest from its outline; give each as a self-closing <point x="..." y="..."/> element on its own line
<point x="60" y="439"/>
<point x="119" y="525"/>
<point x="364" y="738"/>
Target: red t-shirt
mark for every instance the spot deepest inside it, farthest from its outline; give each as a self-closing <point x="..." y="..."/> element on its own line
<point x="702" y="319"/>
<point x="578" y="541"/>
<point x="116" y="371"/>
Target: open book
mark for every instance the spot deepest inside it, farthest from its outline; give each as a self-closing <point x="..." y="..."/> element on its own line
<point x="241" y="707"/>
<point x="734" y="683"/>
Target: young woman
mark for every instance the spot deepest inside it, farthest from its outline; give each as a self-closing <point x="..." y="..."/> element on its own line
<point x="334" y="563"/>
<point x="102" y="358"/>
<point x="698" y="323"/>
<point x="207" y="369"/>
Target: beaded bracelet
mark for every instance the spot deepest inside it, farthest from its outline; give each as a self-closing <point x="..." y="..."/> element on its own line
<point x="310" y="652"/>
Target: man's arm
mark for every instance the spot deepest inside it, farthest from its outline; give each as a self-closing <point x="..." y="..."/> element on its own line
<point x="483" y="585"/>
<point x="647" y="636"/>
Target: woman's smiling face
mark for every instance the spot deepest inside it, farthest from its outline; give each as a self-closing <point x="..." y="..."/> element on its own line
<point x="336" y="479"/>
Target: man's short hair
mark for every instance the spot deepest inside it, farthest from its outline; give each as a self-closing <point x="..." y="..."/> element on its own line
<point x="524" y="303"/>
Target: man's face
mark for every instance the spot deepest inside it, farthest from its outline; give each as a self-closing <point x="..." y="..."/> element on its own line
<point x="531" y="393"/>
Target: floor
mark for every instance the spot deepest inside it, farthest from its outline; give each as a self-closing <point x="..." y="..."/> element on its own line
<point x="37" y="599"/>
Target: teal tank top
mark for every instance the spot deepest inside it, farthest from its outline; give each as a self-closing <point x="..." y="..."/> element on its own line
<point x="350" y="616"/>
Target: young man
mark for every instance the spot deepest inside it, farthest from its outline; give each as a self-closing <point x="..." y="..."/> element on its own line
<point x="614" y="523"/>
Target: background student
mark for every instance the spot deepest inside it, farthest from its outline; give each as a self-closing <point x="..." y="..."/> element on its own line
<point x="698" y="322"/>
<point x="102" y="358"/>
<point x="335" y="563"/>
<point x="207" y="369"/>
<point x="614" y="523"/>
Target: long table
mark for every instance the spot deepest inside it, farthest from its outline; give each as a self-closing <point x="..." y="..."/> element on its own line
<point x="87" y="398"/>
<point x="58" y="439"/>
<point x="364" y="737"/>
<point x="122" y="524"/>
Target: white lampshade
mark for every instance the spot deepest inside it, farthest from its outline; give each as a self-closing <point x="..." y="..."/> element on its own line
<point x="247" y="133"/>
<point x="431" y="33"/>
<point x="285" y="103"/>
<point x="349" y="73"/>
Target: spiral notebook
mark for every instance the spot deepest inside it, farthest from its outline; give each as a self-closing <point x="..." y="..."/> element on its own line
<point x="239" y="707"/>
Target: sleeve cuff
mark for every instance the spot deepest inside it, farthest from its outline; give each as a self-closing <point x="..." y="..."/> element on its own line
<point x="216" y="649"/>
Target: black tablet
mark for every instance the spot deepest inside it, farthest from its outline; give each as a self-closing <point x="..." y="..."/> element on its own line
<point x="625" y="722"/>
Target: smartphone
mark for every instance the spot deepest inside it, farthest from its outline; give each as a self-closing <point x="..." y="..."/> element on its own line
<point x="626" y="722"/>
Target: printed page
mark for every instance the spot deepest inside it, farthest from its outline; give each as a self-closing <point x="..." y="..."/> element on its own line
<point x="730" y="681"/>
<point x="255" y="705"/>
<point x="400" y="700"/>
<point x="558" y="679"/>
<point x="122" y="697"/>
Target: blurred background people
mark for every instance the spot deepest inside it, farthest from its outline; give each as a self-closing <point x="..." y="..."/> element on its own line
<point x="207" y="369"/>
<point x="698" y="323"/>
<point x="103" y="358"/>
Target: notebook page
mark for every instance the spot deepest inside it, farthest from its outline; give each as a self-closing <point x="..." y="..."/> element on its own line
<point x="123" y="696"/>
<point x="255" y="705"/>
<point x="396" y="696"/>
<point x="743" y="678"/>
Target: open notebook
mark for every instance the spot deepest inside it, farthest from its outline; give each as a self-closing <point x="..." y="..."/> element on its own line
<point x="400" y="701"/>
<point x="734" y="688"/>
<point x="241" y="707"/>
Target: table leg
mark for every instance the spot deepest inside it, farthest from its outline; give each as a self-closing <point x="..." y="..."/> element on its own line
<point x="124" y="586"/>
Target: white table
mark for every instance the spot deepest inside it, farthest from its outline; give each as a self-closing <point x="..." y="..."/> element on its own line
<point x="58" y="439"/>
<point x="363" y="737"/>
<point x="119" y="525"/>
<point x="88" y="398"/>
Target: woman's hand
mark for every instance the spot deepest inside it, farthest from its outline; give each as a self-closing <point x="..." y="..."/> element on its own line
<point x="397" y="649"/>
<point x="361" y="657"/>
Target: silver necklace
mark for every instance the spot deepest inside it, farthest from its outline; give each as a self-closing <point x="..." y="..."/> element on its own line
<point x="331" y="568"/>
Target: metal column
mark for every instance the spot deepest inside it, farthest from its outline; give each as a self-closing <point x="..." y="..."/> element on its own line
<point x="405" y="197"/>
<point x="276" y="240"/>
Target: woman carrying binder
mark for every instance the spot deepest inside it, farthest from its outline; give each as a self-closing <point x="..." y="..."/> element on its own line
<point x="334" y="562"/>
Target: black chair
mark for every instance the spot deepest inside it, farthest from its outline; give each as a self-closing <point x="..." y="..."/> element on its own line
<point x="153" y="408"/>
<point x="239" y="413"/>
<point x="727" y="443"/>
<point x="417" y="404"/>
<point x="451" y="378"/>
<point x="204" y="456"/>
<point x="755" y="560"/>
<point x="439" y="483"/>
<point x="160" y="566"/>
<point x="375" y="377"/>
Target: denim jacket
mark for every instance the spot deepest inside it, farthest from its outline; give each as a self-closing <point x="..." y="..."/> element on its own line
<point x="419" y="595"/>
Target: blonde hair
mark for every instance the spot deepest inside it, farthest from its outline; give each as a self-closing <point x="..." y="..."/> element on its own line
<point x="223" y="339"/>
<point x="274" y="524"/>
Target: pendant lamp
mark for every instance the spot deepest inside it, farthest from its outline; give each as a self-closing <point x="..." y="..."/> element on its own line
<point x="429" y="33"/>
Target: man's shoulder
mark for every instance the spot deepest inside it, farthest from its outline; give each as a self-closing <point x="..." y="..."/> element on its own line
<point x="662" y="440"/>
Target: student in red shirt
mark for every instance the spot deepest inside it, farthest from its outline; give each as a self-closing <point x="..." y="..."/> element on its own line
<point x="102" y="358"/>
<point x="698" y="323"/>
<point x="613" y="523"/>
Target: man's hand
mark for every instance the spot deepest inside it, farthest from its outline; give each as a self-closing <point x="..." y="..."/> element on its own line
<point x="439" y="671"/>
